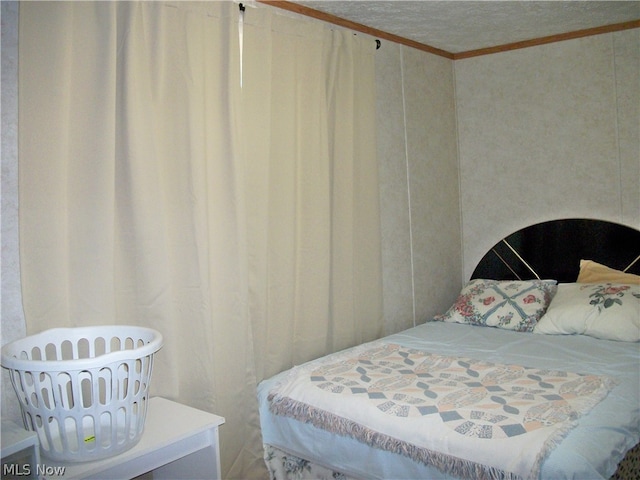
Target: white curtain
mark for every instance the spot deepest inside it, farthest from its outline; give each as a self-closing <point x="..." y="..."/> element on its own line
<point x="314" y="241"/>
<point x="241" y="223"/>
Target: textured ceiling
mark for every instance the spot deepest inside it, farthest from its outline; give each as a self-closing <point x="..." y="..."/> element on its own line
<point x="461" y="26"/>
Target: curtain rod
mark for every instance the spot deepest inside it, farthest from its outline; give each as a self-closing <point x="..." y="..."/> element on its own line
<point x="378" y="43"/>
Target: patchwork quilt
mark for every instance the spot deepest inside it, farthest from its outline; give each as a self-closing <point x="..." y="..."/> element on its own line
<point x="469" y="418"/>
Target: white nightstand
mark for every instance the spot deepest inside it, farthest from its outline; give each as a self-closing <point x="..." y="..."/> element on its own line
<point x="178" y="442"/>
<point x="20" y="452"/>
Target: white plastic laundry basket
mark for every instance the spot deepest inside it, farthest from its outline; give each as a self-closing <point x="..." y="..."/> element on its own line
<point x="84" y="391"/>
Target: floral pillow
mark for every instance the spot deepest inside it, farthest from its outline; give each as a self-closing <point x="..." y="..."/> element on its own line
<point x="609" y="311"/>
<point x="512" y="305"/>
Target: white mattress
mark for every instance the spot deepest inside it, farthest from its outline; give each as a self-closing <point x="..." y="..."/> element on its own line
<point x="591" y="450"/>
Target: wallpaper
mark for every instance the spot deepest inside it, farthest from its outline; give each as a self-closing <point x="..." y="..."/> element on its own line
<point x="548" y="132"/>
<point x="12" y="316"/>
<point x="418" y="185"/>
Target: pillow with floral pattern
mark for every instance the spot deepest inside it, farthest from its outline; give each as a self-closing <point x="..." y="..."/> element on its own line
<point x="609" y="311"/>
<point x="511" y="305"/>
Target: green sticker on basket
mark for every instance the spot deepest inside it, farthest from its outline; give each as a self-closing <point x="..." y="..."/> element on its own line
<point x="92" y="438"/>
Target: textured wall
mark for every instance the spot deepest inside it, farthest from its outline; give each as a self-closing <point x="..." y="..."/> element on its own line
<point x="12" y="323"/>
<point x="548" y="132"/>
<point x="626" y="47"/>
<point x="433" y="174"/>
<point x="418" y="184"/>
<point x="394" y="190"/>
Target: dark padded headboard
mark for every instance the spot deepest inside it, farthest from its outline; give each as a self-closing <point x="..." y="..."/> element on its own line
<point x="553" y="250"/>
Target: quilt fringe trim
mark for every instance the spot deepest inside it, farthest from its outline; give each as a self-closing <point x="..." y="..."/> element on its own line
<point x="448" y="464"/>
<point x="327" y="421"/>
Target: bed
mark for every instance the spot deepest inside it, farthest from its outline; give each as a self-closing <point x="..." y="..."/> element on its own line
<point x="534" y="372"/>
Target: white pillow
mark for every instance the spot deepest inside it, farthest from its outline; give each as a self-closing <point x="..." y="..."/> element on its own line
<point x="609" y="311"/>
